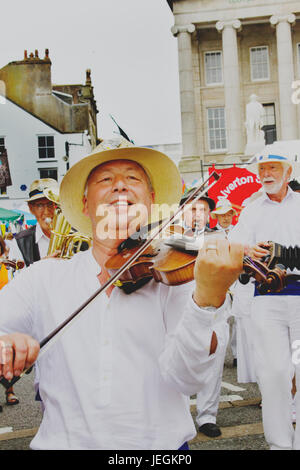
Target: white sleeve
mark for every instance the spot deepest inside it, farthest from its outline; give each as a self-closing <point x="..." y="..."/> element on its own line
<point x="185" y="359"/>
<point x="243" y="232"/>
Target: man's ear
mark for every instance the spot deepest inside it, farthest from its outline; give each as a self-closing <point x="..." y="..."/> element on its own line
<point x="85" y="208"/>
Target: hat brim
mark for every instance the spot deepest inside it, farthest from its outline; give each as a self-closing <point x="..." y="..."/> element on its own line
<point x="162" y="171"/>
<point x="37" y="196"/>
<point x="221" y="212"/>
<point x="253" y="167"/>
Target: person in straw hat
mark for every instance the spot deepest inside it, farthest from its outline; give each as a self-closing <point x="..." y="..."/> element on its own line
<point x="128" y="366"/>
<point x="224" y="213"/>
<point x="275" y="320"/>
<point x="32" y="244"/>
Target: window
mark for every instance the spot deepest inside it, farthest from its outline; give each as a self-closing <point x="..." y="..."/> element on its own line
<point x="2" y="148"/>
<point x="213" y="68"/>
<point x="48" y="173"/>
<point x="2" y="144"/>
<point x="259" y="62"/>
<point x="216" y="129"/>
<point x="269" y="123"/>
<point x="46" y="146"/>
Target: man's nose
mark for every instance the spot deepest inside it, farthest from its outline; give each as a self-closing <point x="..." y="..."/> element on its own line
<point x="49" y="210"/>
<point x="120" y="184"/>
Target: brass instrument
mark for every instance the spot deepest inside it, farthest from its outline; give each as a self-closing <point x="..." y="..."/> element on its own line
<point x="63" y="237"/>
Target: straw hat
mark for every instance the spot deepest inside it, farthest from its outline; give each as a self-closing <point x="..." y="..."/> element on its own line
<point x="162" y="171"/>
<point x="38" y="188"/>
<point x="222" y="207"/>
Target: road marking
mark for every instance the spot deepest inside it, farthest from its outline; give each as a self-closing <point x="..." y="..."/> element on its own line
<point x="223" y="398"/>
<point x="232" y="388"/>
<point x="229" y="432"/>
<point x="5" y="430"/>
<point x="230" y="398"/>
<point x="18" y="434"/>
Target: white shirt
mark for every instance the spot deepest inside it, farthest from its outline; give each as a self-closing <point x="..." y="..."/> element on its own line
<point x="267" y="220"/>
<point x="121" y="376"/>
<point x="41" y="240"/>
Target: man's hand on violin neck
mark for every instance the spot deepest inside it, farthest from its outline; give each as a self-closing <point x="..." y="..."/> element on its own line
<point x="218" y="265"/>
<point x="17" y="353"/>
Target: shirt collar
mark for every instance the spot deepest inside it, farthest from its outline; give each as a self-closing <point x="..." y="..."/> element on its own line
<point x="92" y="263"/>
<point x="39" y="233"/>
<point x="289" y="194"/>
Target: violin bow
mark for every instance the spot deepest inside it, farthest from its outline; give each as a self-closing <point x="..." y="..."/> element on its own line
<point x="50" y="339"/>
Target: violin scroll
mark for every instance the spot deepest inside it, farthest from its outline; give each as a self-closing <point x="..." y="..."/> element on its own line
<point x="269" y="280"/>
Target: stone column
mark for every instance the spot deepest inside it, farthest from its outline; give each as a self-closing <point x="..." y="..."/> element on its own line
<point x="234" y="122"/>
<point x="288" y="112"/>
<point x="187" y="98"/>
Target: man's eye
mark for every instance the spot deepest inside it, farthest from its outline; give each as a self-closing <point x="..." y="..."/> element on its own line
<point x="106" y="178"/>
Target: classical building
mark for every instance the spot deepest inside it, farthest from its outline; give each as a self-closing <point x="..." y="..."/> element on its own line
<point x="44" y="128"/>
<point x="230" y="50"/>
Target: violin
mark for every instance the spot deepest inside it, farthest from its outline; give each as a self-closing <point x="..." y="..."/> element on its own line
<point x="172" y="261"/>
<point x="12" y="264"/>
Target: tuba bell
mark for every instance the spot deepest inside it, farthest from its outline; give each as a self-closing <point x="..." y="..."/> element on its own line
<point x="63" y="237"/>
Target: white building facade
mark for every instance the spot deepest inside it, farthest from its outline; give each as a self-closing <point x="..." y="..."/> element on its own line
<point x="35" y="150"/>
<point x="229" y="50"/>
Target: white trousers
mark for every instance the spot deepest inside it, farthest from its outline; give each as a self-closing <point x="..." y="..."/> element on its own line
<point x="245" y="352"/>
<point x="233" y="339"/>
<point x="208" y="398"/>
<point x="275" y="326"/>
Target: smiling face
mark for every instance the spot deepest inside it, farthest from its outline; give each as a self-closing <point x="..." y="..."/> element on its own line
<point x="118" y="199"/>
<point x="43" y="210"/>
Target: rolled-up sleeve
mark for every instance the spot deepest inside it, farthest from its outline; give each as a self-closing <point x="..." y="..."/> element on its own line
<point x="186" y="356"/>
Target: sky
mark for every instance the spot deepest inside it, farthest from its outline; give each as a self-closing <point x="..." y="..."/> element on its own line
<point x="128" y="46"/>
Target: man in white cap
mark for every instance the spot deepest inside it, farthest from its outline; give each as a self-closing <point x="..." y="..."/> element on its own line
<point x="128" y="365"/>
<point x="224" y="213"/>
<point x="32" y="244"/>
<point x="275" y="317"/>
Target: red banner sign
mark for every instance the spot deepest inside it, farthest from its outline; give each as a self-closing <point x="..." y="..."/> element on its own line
<point x="236" y="185"/>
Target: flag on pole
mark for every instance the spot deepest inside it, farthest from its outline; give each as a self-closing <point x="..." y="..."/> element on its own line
<point x="122" y="133"/>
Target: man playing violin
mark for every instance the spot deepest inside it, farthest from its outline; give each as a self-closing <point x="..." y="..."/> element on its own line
<point x="275" y="317"/>
<point x="122" y="375"/>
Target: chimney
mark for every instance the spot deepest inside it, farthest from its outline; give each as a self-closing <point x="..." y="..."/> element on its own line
<point x="88" y="80"/>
